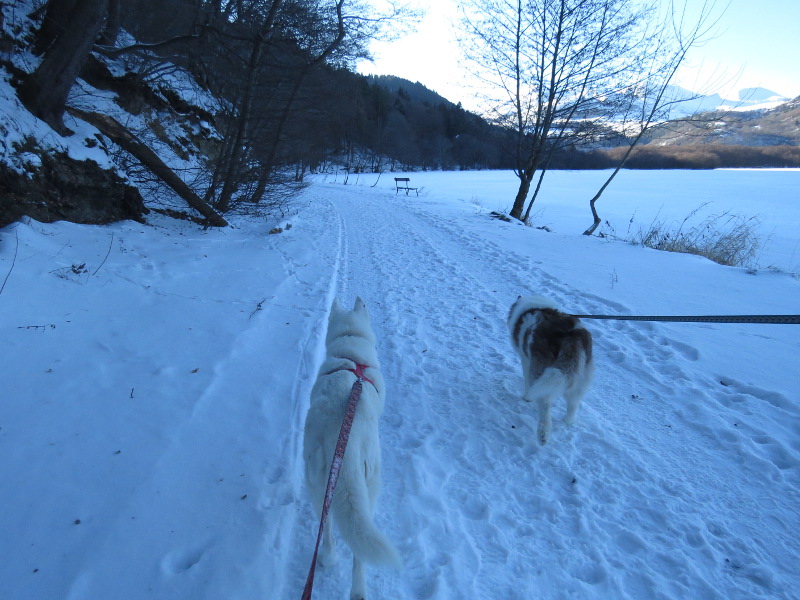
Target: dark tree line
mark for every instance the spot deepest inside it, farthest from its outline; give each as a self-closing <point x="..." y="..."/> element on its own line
<point x="382" y="124"/>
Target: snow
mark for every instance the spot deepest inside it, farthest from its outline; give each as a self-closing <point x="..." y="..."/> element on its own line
<point x="688" y="103"/>
<point x="156" y="377"/>
<point x="19" y="128"/>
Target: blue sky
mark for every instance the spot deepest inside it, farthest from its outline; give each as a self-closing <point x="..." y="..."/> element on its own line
<point x="757" y="44"/>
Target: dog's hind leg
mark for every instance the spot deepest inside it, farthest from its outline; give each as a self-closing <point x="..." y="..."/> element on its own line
<point x="550" y="384"/>
<point x="575" y="393"/>
<point x="328" y="557"/>
<point x="544" y="401"/>
<point x="358" y="590"/>
<point x="545" y="418"/>
<point x="573" y="404"/>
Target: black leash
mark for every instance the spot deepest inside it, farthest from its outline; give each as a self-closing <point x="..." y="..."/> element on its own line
<point x="761" y="319"/>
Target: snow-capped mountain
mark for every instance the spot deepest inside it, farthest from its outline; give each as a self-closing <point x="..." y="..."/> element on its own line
<point x="754" y="98"/>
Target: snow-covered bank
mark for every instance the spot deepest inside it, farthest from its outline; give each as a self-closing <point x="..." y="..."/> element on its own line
<point x="153" y="404"/>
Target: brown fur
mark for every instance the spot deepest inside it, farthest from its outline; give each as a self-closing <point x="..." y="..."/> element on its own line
<point x="556" y="340"/>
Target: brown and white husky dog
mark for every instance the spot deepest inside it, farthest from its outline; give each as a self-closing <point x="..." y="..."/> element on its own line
<point x="556" y="354"/>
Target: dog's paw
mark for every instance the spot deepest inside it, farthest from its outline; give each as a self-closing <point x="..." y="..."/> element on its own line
<point x="569" y="420"/>
<point x="543" y="433"/>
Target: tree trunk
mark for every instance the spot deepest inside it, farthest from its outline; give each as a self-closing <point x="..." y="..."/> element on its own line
<point x="608" y="181"/>
<point x="597" y="219"/>
<point x="596" y="197"/>
<point x="231" y="176"/>
<point x="113" y="23"/>
<point x="269" y="164"/>
<point x="522" y="194"/>
<point x="128" y="142"/>
<point x="54" y="22"/>
<point x="535" y="193"/>
<point x="44" y="92"/>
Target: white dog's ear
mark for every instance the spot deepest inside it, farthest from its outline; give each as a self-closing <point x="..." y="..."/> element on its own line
<point x="359" y="305"/>
<point x="335" y="306"/>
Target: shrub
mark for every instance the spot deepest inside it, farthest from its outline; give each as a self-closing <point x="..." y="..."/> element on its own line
<point x="727" y="239"/>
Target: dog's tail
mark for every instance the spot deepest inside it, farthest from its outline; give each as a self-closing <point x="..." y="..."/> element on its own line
<point x="552" y="382"/>
<point x="354" y="518"/>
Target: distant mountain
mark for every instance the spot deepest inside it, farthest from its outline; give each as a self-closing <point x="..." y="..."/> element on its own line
<point x="760" y="95"/>
<point x="690" y="103"/>
<point x="768" y="122"/>
<point x="758" y="118"/>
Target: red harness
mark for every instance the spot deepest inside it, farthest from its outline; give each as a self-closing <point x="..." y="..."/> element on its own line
<point x="359" y="372"/>
<point x="338" y="456"/>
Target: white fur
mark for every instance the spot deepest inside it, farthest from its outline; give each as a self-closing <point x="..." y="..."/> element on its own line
<point x="349" y="340"/>
<point x="524" y="303"/>
<point x="547" y="379"/>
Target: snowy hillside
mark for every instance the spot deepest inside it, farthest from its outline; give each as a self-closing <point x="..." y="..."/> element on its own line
<point x="156" y="377"/>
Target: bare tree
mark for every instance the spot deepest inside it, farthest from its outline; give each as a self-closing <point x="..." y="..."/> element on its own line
<point x="272" y="50"/>
<point x="650" y="96"/>
<point x="246" y="98"/>
<point x="557" y="69"/>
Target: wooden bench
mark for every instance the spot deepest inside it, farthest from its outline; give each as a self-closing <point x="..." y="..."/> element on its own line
<point x="402" y="183"/>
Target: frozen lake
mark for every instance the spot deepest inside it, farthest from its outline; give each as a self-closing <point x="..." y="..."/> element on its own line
<point x="635" y="198"/>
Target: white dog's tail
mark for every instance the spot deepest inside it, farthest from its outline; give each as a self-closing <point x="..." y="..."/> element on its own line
<point x="552" y="382"/>
<point x="354" y="519"/>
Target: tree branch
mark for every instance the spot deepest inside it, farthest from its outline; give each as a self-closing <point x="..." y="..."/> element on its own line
<point x="131" y="144"/>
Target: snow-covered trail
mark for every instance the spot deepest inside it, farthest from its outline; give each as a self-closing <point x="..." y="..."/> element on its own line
<point x="152" y="412"/>
<point x="617" y="507"/>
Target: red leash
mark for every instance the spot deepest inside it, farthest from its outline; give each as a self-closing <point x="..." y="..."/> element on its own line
<point x="336" y="465"/>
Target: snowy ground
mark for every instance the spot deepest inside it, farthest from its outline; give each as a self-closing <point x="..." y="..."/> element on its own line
<point x="153" y="401"/>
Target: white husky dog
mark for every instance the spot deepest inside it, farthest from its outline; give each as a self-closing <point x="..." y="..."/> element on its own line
<point x="350" y="344"/>
<point x="556" y="354"/>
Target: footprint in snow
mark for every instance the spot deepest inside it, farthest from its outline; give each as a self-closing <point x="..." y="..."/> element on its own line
<point x="180" y="561"/>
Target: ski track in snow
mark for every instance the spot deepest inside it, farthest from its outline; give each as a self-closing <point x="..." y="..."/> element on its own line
<point x="206" y="506"/>
<point x="456" y="434"/>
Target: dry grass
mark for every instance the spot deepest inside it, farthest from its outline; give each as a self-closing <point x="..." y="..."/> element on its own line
<point x="727" y="239"/>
